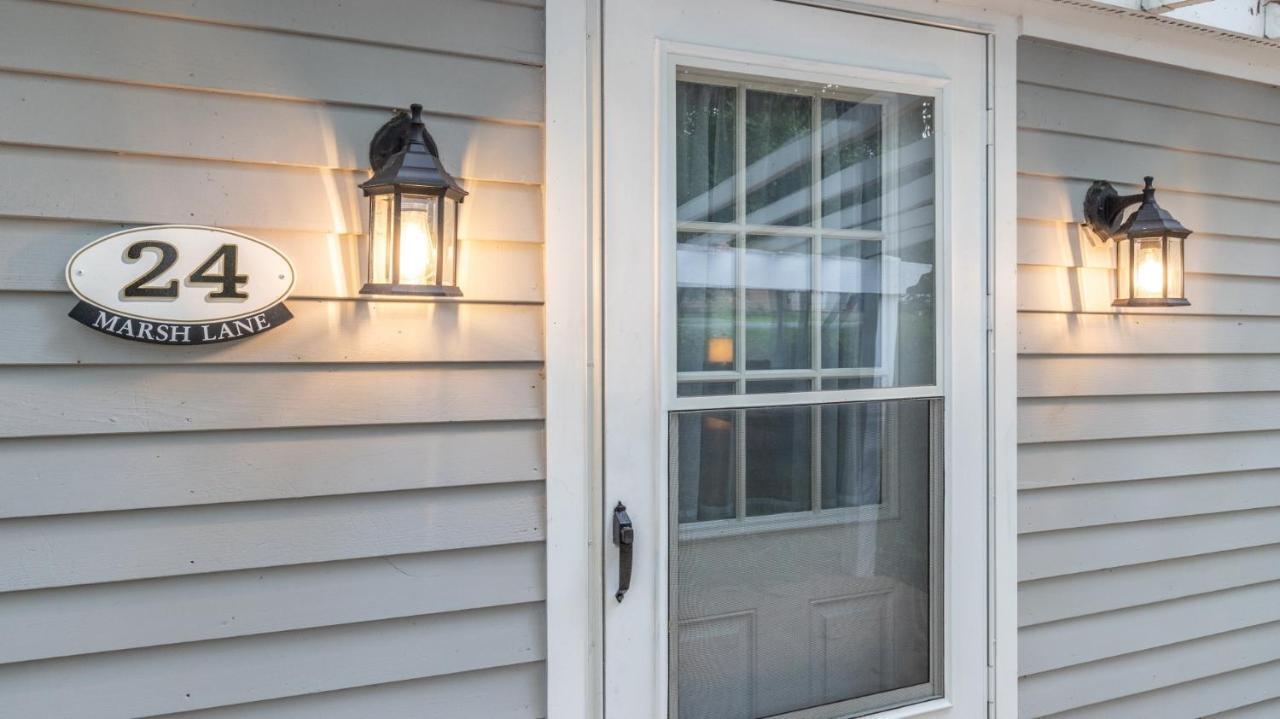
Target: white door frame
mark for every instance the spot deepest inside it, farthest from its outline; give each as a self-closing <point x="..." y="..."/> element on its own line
<point x="574" y="196"/>
<point x="572" y="232"/>
<point x="573" y="336"/>
<point x="649" y="41"/>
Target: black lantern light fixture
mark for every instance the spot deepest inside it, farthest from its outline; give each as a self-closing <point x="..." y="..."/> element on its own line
<point x="413" y="213"/>
<point x="1150" y="245"/>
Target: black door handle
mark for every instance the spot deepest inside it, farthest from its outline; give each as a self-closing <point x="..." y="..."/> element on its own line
<point x="624" y="535"/>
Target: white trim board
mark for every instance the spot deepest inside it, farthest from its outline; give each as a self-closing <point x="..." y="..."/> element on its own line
<point x="572" y="267"/>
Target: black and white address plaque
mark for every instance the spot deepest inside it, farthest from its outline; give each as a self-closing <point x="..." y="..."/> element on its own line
<point x="180" y="285"/>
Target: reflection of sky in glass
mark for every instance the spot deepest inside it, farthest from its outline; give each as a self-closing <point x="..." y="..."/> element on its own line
<point x="706" y="267"/>
<point x="701" y="266"/>
<point x="777" y="270"/>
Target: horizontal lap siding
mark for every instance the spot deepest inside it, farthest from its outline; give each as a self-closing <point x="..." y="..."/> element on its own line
<point x="510" y="692"/>
<point x="344" y="517"/>
<point x="1149" y="474"/>
<point x="215" y="673"/>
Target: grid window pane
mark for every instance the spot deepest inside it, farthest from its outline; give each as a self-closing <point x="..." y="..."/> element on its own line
<point x="779" y="445"/>
<point x="779" y="157"/>
<point x="768" y="290"/>
<point x="852" y="154"/>
<point x="838" y="383"/>
<point x="778" y="296"/>
<point x="771" y="386"/>
<point x="707" y="457"/>
<point x="706" y="319"/>
<point x="908" y="346"/>
<point x="852" y="283"/>
<point x="853" y="443"/>
<point x="702" y="389"/>
<point x="706" y="123"/>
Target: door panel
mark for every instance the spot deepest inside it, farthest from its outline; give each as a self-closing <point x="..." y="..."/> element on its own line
<point x="794" y="342"/>
<point x="840" y="601"/>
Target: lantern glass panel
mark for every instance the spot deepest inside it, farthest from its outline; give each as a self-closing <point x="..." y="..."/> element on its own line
<point x="380" y="229"/>
<point x="449" y="240"/>
<point x="418" y="247"/>
<point x="1123" y="278"/>
<point x="1174" y="268"/>
<point x="1148" y="267"/>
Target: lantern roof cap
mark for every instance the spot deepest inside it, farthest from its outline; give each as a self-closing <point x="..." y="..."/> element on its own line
<point x="404" y="156"/>
<point x="1150" y="219"/>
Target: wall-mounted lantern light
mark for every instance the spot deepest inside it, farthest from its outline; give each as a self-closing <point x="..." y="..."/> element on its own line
<point x="413" y="213"/>
<point x="1150" y="246"/>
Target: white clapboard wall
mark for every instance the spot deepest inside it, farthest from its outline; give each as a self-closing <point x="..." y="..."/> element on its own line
<point x="342" y="517"/>
<point x="1149" y="459"/>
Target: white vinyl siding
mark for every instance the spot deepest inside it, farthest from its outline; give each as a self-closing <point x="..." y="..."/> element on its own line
<point x="343" y="517"/>
<point x="1149" y="468"/>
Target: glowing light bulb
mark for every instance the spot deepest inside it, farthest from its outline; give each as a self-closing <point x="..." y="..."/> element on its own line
<point x="417" y="250"/>
<point x="1148" y="273"/>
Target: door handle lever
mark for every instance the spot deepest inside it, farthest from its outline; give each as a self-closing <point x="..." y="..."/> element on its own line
<point x="624" y="535"/>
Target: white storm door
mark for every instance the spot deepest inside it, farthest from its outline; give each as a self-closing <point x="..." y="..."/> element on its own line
<point x="795" y="378"/>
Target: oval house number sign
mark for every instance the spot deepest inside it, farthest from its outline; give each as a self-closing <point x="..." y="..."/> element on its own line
<point x="180" y="285"/>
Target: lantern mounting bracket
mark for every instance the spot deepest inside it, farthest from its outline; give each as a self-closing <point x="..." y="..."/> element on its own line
<point x="389" y="139"/>
<point x="394" y="135"/>
<point x="1104" y="208"/>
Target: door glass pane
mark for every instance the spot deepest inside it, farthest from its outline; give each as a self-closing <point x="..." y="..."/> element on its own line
<point x="764" y="285"/>
<point x="851" y="164"/>
<point x="804" y="538"/>
<point x="779" y="157"/>
<point x="852" y="275"/>
<point x="778" y="314"/>
<point x="907" y="345"/>
<point x="779" y="446"/>
<point x="785" y="604"/>
<point x="700" y="389"/>
<point x="852" y="438"/>
<point x="708" y="448"/>
<point x="706" y="301"/>
<point x="769" y="386"/>
<point x="706" y="122"/>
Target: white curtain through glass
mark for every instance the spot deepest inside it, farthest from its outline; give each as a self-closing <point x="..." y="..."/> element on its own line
<point x="805" y="549"/>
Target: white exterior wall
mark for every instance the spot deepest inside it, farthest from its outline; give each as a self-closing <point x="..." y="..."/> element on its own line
<point x="1149" y="459"/>
<point x="351" y="504"/>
